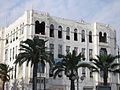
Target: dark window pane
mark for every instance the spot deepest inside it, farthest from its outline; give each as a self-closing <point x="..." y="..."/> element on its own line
<point x="51" y="30"/>
<point x="90" y="37"/>
<point x="59" y="32"/>
<point x="83" y="36"/>
<point x="68" y="33"/>
<point x="75" y="34"/>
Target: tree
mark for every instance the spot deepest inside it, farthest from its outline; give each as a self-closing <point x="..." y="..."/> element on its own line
<point x="4" y="73"/>
<point x="105" y="64"/>
<point x="69" y="65"/>
<point x="33" y="51"/>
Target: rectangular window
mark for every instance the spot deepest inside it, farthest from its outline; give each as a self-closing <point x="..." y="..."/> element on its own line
<point x="10" y="54"/>
<point x="16" y="52"/>
<point x="59" y="50"/>
<point x="83" y="52"/>
<point x="67" y="49"/>
<point x="90" y="54"/>
<point x="13" y="52"/>
<point x="11" y="37"/>
<point x="76" y="50"/>
<point x="52" y="49"/>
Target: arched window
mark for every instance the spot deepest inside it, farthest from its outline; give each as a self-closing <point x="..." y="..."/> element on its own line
<point x="51" y="30"/>
<point x="37" y="27"/>
<point x="105" y="37"/>
<point x="75" y="34"/>
<point x="68" y="33"/>
<point x="60" y="32"/>
<point x="90" y="37"/>
<point x="11" y="37"/>
<point x="42" y="28"/>
<point x="103" y="51"/>
<point x="7" y="38"/>
<point x="83" y="36"/>
<point x="100" y="36"/>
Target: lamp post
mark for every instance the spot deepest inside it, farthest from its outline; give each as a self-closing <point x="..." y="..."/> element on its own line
<point x="22" y="83"/>
<point x="15" y="83"/>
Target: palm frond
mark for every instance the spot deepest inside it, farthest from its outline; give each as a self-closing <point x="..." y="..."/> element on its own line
<point x="114" y="65"/>
<point x="57" y="72"/>
<point x="29" y="42"/>
<point x="116" y="71"/>
<point x="4" y="70"/>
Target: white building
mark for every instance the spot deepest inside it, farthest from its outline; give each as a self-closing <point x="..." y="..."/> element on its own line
<point x="62" y="35"/>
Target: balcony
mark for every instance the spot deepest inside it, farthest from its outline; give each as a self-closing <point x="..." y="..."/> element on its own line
<point x="103" y="44"/>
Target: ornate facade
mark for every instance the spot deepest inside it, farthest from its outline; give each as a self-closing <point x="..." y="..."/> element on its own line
<point x="63" y="35"/>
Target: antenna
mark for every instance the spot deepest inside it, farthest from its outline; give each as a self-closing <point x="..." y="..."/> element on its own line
<point x="82" y="21"/>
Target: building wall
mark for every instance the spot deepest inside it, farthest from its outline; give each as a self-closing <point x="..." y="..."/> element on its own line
<point x="24" y="27"/>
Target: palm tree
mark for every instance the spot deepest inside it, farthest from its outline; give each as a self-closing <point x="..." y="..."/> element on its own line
<point x="106" y="64"/>
<point x="33" y="51"/>
<point x="69" y="64"/>
<point x="4" y="73"/>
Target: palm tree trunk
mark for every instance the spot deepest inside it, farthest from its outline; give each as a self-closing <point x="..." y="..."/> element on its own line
<point x="35" y="76"/>
<point x="105" y="78"/>
<point x="3" y="85"/>
<point x="72" y="85"/>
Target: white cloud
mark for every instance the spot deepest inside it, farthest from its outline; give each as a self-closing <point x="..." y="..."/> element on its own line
<point x="110" y="14"/>
<point x="106" y="11"/>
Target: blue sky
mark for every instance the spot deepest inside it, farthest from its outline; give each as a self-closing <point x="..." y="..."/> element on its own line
<point x="104" y="11"/>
